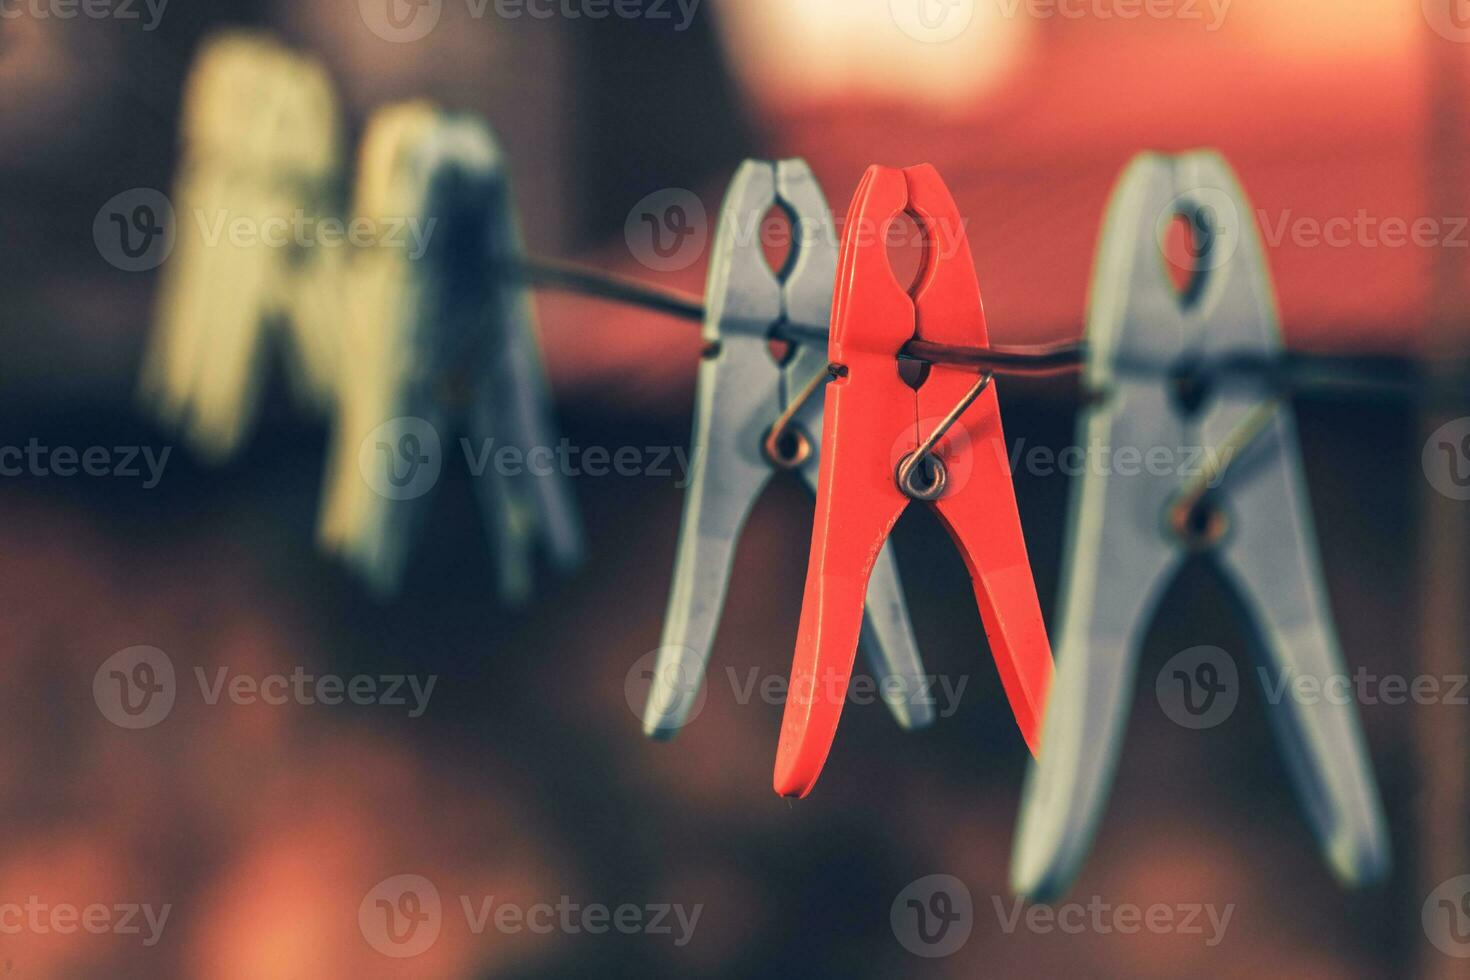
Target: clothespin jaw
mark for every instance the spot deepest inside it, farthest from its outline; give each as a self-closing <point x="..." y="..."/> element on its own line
<point x="260" y="146"/>
<point x="443" y="346"/>
<point x="874" y="423"/>
<point x="742" y="395"/>
<point x="1125" y="542"/>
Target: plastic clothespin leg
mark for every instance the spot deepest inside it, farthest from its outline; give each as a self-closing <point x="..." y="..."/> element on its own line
<point x="1123" y="549"/>
<point x="443" y="347"/>
<point x="533" y="504"/>
<point x="742" y="392"/>
<point x="874" y="421"/>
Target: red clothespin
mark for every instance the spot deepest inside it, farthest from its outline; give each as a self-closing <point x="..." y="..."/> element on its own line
<point x="874" y="463"/>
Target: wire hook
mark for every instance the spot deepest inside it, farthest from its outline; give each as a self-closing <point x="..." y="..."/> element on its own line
<point x="790" y="453"/>
<point x="921" y="460"/>
<point x="1190" y="517"/>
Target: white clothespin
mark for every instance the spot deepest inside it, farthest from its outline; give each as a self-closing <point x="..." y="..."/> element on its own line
<point x="261" y="164"/>
<point x="441" y="356"/>
<point x="754" y="418"/>
<point x="1130" y="532"/>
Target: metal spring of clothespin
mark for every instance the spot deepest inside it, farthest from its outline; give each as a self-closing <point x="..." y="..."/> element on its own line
<point x="923" y="465"/>
<point x="754" y="417"/>
<point x="1129" y="533"/>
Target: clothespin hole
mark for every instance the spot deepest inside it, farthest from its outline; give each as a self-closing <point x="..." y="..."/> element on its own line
<point x="1186" y="247"/>
<point x="907" y="246"/>
<point x="1190" y="388"/>
<point x="914" y="373"/>
<point x="781" y="351"/>
<point x="1200" y="526"/>
<point x="778" y="230"/>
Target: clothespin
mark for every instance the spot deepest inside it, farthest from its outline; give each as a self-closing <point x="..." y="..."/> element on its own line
<point x="261" y="155"/>
<point x="1130" y="533"/>
<point x="755" y="417"/>
<point x="887" y="444"/>
<point x="443" y="345"/>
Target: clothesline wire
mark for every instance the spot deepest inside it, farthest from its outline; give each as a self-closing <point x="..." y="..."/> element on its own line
<point x="555" y="274"/>
<point x="1290" y="371"/>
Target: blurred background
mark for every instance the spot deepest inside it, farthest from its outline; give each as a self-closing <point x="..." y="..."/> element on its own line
<point x="264" y="828"/>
